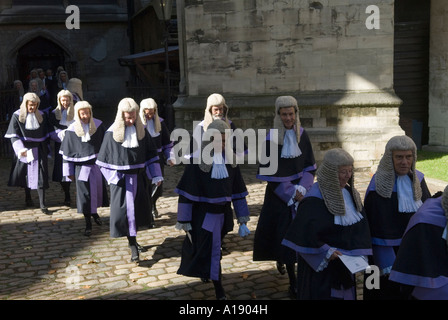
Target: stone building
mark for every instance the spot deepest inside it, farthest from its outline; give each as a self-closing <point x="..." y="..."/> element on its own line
<point x="359" y="69"/>
<point x="36" y="36"/>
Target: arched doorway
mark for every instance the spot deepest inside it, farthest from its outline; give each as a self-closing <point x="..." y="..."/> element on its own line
<point x="39" y="53"/>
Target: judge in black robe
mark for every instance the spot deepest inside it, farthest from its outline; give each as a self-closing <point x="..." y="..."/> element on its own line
<point x="206" y="193"/>
<point x="394" y="194"/>
<point x="330" y="222"/>
<point x="28" y="131"/>
<point x="126" y="154"/>
<point x="59" y="119"/>
<point x="293" y="165"/>
<point x="421" y="266"/>
<point x="80" y="146"/>
<point x="160" y="134"/>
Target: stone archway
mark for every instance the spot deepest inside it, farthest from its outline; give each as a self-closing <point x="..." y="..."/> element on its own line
<point x="39" y="48"/>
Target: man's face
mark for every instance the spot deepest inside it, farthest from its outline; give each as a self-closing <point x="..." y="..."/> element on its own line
<point x="288" y="116"/>
<point x="344" y="175"/>
<point x="149" y="113"/>
<point x="84" y="115"/>
<point x="403" y="161"/>
<point x="65" y="102"/>
<point x="129" y="118"/>
<point x="33" y="86"/>
<point x="217" y="112"/>
<point x="31" y="106"/>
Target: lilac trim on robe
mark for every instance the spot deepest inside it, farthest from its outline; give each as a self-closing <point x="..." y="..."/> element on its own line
<point x="111" y="176"/>
<point x="241" y="208"/>
<point x="347" y="294"/>
<point x="386" y="242"/>
<point x="117" y="167"/>
<point x="214" y="223"/>
<point x="285" y="191"/>
<point x="431" y="294"/>
<point x="92" y="174"/>
<point x="384" y="257"/>
<point x="33" y="171"/>
<point x="153" y="168"/>
<point x="26" y="138"/>
<point x="166" y="149"/>
<point x="68" y="169"/>
<point x="18" y="146"/>
<point x="418" y="281"/>
<point x="191" y="197"/>
<point x="54" y="135"/>
<point x="83" y="159"/>
<point x="131" y="191"/>
<point x="184" y="211"/>
<point x="431" y="216"/>
<point x="239" y="195"/>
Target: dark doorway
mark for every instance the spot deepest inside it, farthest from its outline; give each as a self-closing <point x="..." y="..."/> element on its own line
<point x="39" y="53"/>
<point x="411" y="66"/>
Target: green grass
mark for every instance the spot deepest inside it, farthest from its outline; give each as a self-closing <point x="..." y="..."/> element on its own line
<point x="433" y="164"/>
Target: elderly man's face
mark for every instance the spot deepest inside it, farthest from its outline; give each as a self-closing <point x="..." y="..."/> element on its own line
<point x="288" y="116"/>
<point x="84" y="115"/>
<point x="31" y="106"/>
<point x="402" y="161"/>
<point x="344" y="175"/>
<point x="65" y="101"/>
<point x="129" y="118"/>
<point x="217" y="112"/>
<point x="33" y="86"/>
<point x="149" y="113"/>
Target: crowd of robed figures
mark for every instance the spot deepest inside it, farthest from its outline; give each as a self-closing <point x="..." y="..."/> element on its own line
<point x="312" y="217"/>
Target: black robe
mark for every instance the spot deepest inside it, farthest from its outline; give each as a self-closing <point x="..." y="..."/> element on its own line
<point x="387" y="226"/>
<point x="422" y="260"/>
<point x="276" y="215"/>
<point x="311" y="234"/>
<point x="124" y="170"/>
<point x="79" y="160"/>
<point x="54" y="129"/>
<point x="164" y="146"/>
<point x="205" y="203"/>
<point x="33" y="174"/>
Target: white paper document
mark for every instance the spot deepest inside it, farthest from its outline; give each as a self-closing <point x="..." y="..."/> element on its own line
<point x="354" y="263"/>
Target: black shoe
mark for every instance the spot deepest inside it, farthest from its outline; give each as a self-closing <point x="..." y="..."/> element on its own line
<point x="155" y="213"/>
<point x="219" y="291"/>
<point x="88" y="232"/>
<point x="281" y="267"/>
<point x="46" y="211"/>
<point x="97" y="219"/>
